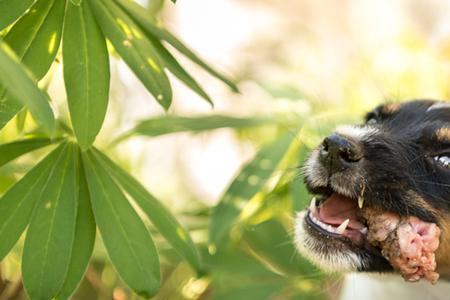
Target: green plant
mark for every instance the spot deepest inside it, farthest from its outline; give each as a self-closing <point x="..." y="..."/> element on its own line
<point x="76" y="188"/>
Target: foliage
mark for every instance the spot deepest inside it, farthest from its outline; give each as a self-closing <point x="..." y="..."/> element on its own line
<point x="76" y="189"/>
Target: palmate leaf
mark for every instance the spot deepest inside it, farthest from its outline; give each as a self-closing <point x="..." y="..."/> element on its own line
<point x="35" y="39"/>
<point x="126" y="239"/>
<point x="150" y="27"/>
<point x="48" y="244"/>
<point x="83" y="243"/>
<point x="161" y="218"/>
<point x="19" y="84"/>
<point x="135" y="49"/>
<point x="249" y="181"/>
<point x="17" y="204"/>
<point x="11" y="10"/>
<point x="86" y="72"/>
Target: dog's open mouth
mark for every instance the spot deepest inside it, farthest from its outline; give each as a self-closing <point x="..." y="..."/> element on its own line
<point x="408" y="243"/>
<point x="338" y="216"/>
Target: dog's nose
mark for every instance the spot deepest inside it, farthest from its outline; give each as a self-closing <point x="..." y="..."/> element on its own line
<point x="339" y="153"/>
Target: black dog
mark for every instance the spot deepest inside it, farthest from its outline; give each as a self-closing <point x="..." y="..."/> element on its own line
<point x="399" y="160"/>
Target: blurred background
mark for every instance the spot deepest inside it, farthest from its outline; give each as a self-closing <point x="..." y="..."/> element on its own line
<point x="307" y="65"/>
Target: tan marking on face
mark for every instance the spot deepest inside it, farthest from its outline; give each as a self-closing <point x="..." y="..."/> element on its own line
<point x="443" y="134"/>
<point x="422" y="203"/>
<point x="391" y="108"/>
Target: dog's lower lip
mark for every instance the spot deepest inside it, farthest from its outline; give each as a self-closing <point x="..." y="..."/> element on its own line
<point x="321" y="227"/>
<point x="354" y="236"/>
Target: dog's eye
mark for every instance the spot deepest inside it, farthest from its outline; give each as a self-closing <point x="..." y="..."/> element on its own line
<point x="443" y="160"/>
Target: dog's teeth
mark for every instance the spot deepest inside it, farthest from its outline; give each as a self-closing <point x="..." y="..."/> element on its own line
<point x="360" y="202"/>
<point x="342" y="227"/>
<point x="312" y="205"/>
<point x="363" y="230"/>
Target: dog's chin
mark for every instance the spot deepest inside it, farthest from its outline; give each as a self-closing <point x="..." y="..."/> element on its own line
<point x="336" y="247"/>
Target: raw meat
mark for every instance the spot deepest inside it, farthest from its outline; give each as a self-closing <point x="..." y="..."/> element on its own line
<point x="408" y="243"/>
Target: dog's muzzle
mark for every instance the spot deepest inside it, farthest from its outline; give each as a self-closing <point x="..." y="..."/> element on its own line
<point x="332" y="232"/>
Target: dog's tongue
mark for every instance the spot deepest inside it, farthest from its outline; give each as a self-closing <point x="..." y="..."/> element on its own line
<point x="338" y="208"/>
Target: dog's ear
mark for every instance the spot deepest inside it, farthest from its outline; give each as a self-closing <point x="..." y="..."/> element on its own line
<point x="382" y="112"/>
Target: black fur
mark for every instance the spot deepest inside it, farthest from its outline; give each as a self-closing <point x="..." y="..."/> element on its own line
<point x="398" y="167"/>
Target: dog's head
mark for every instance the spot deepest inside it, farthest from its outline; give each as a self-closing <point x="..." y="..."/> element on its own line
<point x="397" y="161"/>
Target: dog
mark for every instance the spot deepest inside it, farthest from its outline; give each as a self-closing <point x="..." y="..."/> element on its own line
<point x="399" y="160"/>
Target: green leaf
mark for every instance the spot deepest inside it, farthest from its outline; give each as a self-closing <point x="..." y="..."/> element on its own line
<point x="124" y="235"/>
<point x="20" y="85"/>
<point x="172" y="124"/>
<point x="135" y="49"/>
<point x="249" y="182"/>
<point x="176" y="69"/>
<point x="35" y="39"/>
<point x="86" y="72"/>
<point x="21" y="119"/>
<point x="9" y="107"/>
<point x="83" y="243"/>
<point x="10" y="151"/>
<point x="10" y="10"/>
<point x="17" y="204"/>
<point x="161" y="218"/>
<point x="274" y="246"/>
<point x="151" y="27"/>
<point x="48" y="244"/>
<point x="299" y="193"/>
<point x="230" y="261"/>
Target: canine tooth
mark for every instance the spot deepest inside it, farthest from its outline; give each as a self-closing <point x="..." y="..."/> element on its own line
<point x="360" y="202"/>
<point x="312" y="205"/>
<point x="363" y="230"/>
<point x="342" y="227"/>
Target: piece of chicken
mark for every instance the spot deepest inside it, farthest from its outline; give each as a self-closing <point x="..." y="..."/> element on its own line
<point x="408" y="243"/>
